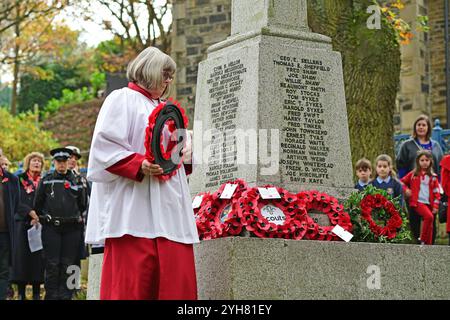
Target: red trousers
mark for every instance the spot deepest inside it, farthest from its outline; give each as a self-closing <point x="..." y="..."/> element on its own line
<point x="448" y="219"/>
<point x="147" y="269"/>
<point x="428" y="219"/>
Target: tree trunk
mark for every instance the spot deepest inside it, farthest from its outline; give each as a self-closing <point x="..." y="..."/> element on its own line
<point x="371" y="63"/>
<point x="15" y="83"/>
<point x="16" y="64"/>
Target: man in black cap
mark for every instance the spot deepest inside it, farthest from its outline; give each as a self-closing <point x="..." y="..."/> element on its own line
<point x="59" y="202"/>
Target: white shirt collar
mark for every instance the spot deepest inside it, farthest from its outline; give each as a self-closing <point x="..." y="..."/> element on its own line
<point x="362" y="184"/>
<point x="385" y="180"/>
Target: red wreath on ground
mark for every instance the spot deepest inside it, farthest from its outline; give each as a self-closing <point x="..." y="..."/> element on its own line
<point x="294" y="226"/>
<point x="212" y="222"/>
<point x="166" y="152"/>
<point x="370" y="202"/>
<point x="315" y="200"/>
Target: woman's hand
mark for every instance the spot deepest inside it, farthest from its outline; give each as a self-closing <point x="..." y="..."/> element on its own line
<point x="435" y="210"/>
<point x="150" y="169"/>
<point x="34" y="217"/>
<point x="408" y="193"/>
<point x="187" y="150"/>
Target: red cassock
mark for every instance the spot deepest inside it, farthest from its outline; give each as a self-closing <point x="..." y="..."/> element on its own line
<point x="145" y="269"/>
<point x="445" y="181"/>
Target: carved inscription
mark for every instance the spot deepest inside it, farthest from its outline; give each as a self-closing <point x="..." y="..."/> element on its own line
<point x="224" y="83"/>
<point x="304" y="147"/>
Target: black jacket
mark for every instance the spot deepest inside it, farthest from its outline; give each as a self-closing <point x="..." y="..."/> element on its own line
<point x="27" y="266"/>
<point x="406" y="157"/>
<point x="11" y="201"/>
<point x="27" y="194"/>
<point x="60" y="195"/>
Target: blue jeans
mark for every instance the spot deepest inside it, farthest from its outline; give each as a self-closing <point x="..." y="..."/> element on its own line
<point x="4" y="264"/>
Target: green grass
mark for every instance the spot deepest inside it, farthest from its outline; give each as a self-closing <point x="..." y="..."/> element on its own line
<point x="79" y="294"/>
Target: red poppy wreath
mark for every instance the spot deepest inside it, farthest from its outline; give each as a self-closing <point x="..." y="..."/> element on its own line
<point x="219" y="217"/>
<point x="378" y="201"/>
<point x="273" y="218"/>
<point x="314" y="200"/>
<point x="200" y="218"/>
<point x="167" y="123"/>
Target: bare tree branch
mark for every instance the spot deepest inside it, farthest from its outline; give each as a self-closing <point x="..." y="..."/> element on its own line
<point x="135" y="23"/>
<point x="131" y="16"/>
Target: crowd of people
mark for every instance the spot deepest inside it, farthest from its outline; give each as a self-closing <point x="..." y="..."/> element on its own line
<point x="423" y="179"/>
<point x="53" y="202"/>
<point x="145" y="226"/>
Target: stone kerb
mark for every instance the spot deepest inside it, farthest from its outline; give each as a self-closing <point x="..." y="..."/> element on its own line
<point x="253" y="268"/>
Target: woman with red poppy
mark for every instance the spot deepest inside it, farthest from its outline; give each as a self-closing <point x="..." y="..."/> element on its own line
<point x="147" y="224"/>
<point x="422" y="188"/>
<point x="27" y="266"/>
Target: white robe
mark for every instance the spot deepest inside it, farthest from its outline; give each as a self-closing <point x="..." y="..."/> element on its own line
<point x="118" y="205"/>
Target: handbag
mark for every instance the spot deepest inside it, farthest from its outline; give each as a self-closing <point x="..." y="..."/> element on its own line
<point x="443" y="205"/>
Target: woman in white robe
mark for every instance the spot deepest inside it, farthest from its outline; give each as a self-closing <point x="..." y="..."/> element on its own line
<point x="147" y="225"/>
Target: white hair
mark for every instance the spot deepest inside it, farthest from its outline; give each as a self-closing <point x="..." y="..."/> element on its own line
<point x="147" y="69"/>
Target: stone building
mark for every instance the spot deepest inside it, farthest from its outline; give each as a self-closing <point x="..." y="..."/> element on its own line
<point x="200" y="23"/>
<point x="413" y="97"/>
<point x="437" y="60"/>
<point x="422" y="80"/>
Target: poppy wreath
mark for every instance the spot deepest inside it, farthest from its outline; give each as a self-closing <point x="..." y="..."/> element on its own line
<point x="219" y="217"/>
<point x="149" y="134"/>
<point x="250" y="210"/>
<point x="203" y="224"/>
<point x="378" y="201"/>
<point x="315" y="200"/>
<point x="363" y="205"/>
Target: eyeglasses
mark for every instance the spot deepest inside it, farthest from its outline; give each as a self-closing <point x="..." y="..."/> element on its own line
<point x="167" y="75"/>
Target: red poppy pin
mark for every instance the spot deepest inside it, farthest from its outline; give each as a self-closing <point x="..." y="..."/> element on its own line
<point x="66" y="185"/>
<point x="2" y="177"/>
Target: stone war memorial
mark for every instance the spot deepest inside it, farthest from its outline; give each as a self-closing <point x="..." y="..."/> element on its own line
<point x="273" y="169"/>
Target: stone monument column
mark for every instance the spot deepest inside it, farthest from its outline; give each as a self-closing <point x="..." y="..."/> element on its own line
<point x="270" y="105"/>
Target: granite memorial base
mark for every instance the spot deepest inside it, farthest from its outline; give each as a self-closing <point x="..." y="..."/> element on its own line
<point x="242" y="268"/>
<point x="252" y="268"/>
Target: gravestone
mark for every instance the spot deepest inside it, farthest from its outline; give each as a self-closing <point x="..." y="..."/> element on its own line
<point x="270" y="105"/>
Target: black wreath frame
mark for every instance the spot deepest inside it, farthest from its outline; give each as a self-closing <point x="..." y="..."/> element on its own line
<point x="169" y="112"/>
